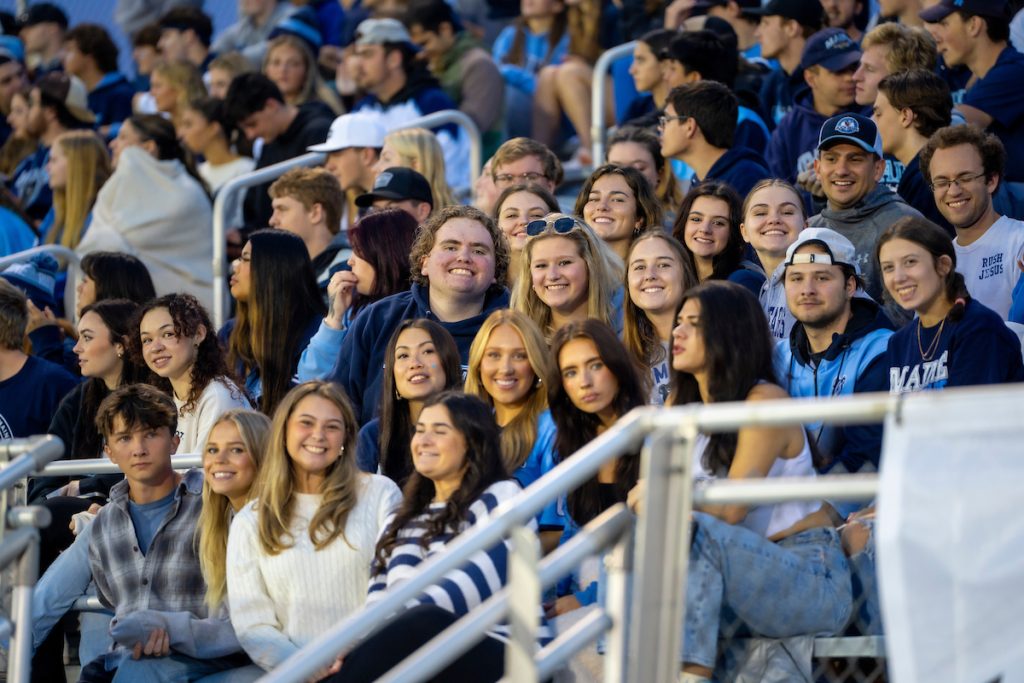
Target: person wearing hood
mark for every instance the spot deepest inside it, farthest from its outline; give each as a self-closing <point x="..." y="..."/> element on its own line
<point x="836" y="347"/>
<point x="698" y="129"/>
<point x="829" y="60"/>
<point x="459" y="262"/>
<point x="399" y="89"/>
<point x="850" y="165"/>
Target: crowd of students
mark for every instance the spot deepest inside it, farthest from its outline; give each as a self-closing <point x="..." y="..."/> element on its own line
<point x="798" y="199"/>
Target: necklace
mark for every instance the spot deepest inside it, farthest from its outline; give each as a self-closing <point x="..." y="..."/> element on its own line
<point x="926" y="355"/>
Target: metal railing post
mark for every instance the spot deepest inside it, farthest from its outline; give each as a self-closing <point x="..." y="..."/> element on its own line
<point x="619" y="567"/>
<point x="459" y="118"/>
<point x="662" y="555"/>
<point x="523" y="612"/>
<point x="602" y="67"/>
<point x="59" y="252"/>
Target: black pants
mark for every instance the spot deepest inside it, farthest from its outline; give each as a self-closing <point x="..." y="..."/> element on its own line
<point x="48" y="660"/>
<point x="405" y="634"/>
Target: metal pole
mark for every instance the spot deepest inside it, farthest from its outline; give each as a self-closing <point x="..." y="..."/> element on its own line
<point x="558" y="652"/>
<point x="43" y="450"/>
<point x="60" y="253"/>
<point x="74" y="468"/>
<point x="619" y="567"/>
<point x="662" y="553"/>
<point x="20" y="654"/>
<point x="524" y="602"/>
<point x="459" y="118"/>
<point x="598" y="130"/>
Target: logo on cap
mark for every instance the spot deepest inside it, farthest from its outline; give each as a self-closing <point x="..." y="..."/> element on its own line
<point x="847" y="126"/>
<point x="840" y="41"/>
<point x="382" y="180"/>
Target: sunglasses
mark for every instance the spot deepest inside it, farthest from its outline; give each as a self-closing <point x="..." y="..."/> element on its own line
<point x="560" y="225"/>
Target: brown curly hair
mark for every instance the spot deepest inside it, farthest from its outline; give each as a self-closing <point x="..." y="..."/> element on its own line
<point x="188" y="316"/>
<point x="425" y="238"/>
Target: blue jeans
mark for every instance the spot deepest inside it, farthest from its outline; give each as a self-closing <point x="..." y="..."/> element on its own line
<point x="798" y="586"/>
<point x="174" y="668"/>
<point x="867" y="619"/>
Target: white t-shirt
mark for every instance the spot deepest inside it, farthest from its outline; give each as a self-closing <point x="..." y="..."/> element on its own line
<point x="989" y="265"/>
<point x="219" y="396"/>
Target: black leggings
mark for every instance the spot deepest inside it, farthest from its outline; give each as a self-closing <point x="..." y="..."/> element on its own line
<point x="405" y="634"/>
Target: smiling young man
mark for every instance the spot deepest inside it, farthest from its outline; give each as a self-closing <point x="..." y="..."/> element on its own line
<point x="142" y="552"/>
<point x="975" y="34"/>
<point x="849" y="165"/>
<point x="837" y="344"/>
<point x="964" y="165"/>
<point x="459" y="262"/>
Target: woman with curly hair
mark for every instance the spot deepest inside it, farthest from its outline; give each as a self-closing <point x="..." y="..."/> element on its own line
<point x="459" y="480"/>
<point x="177" y="343"/>
<point x="299" y="562"/>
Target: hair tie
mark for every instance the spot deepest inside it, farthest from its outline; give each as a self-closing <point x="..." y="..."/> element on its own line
<point x="960" y="300"/>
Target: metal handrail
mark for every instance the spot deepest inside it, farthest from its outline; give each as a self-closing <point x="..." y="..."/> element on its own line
<point x="73" y="468"/>
<point x="262" y="175"/>
<point x="32" y="454"/>
<point x="624" y="436"/>
<point x="597" y="90"/>
<point x="59" y="252"/>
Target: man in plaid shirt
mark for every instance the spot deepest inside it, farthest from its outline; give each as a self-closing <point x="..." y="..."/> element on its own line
<point x="142" y="552"/>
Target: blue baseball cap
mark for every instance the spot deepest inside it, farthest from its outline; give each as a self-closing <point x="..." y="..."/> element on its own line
<point x="831" y="48"/>
<point x="986" y="8"/>
<point x="852" y="128"/>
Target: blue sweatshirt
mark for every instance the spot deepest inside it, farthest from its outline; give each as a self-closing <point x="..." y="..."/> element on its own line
<point x="361" y="362"/>
<point x="111" y="99"/>
<point x="795" y="140"/>
<point x="853" y="363"/>
<point x="740" y="167"/>
<point x="977" y="349"/>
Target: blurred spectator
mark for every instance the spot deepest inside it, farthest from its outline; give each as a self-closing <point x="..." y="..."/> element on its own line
<point x="641" y="149"/>
<point x="843" y="14"/>
<point x="185" y="34"/>
<point x="223" y="69"/>
<point x="400" y="188"/>
<point x="20" y="141"/>
<point x="466" y="72"/>
<point x="57" y="103"/>
<point x="292" y="67"/>
<point x="41" y="28"/>
<point x="78" y="167"/>
<point x="418" y="149"/>
<point x="890" y="48"/>
<point x="255" y="105"/>
<point x="91" y="55"/>
<point x="353" y="147"/>
<point x="12" y="80"/>
<point x="648" y="75"/>
<point x="536" y="38"/>
<point x="249" y="35"/>
<point x="155" y="207"/>
<point x="173" y="85"/>
<point x="744" y="24"/>
<point x="145" y="54"/>
<point x="133" y="16"/>
<point x="783" y="31"/>
<point x="30" y="388"/>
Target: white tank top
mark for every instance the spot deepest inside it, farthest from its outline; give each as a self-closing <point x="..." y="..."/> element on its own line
<point x="767" y="520"/>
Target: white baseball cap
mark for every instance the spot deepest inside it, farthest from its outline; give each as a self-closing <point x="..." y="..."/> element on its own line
<point x="352" y="130"/>
<point x="840" y="250"/>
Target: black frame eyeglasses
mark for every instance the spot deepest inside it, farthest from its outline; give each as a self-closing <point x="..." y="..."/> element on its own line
<point x="663" y="120"/>
<point x="560" y="225"/>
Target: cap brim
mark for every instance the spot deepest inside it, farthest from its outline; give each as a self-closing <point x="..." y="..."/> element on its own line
<point x="935" y="13"/>
<point x="326" y="147"/>
<point x="834" y="140"/>
<point x="840" y="62"/>
<point x="365" y="200"/>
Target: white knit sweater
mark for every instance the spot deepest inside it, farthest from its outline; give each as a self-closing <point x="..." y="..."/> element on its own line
<point x="280" y="603"/>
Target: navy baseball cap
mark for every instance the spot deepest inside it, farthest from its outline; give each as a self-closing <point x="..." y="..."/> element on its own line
<point x="851" y="128"/>
<point x="986" y="8"/>
<point x="804" y="12"/>
<point x="399" y="183"/>
<point x="832" y="49"/>
<point x="42" y="13"/>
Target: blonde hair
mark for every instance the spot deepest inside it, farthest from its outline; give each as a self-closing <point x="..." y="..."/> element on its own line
<point x="604" y="272"/>
<point x="216" y="515"/>
<point x="419" y="150"/>
<point x="184" y="77"/>
<point x="88" y="168"/>
<point x="275" y="485"/>
<point x="519" y="435"/>
<point x="313" y="87"/>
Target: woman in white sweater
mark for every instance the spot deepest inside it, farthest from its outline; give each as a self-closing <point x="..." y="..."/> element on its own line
<point x="177" y="343"/>
<point x="299" y="556"/>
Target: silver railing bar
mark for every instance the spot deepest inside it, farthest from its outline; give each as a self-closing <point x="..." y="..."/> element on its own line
<point x="65" y="468"/>
<point x="21" y="546"/>
<point x="61" y="253"/>
<point x="220" y="204"/>
<point x="439" y="118"/>
<point x="90" y="603"/>
<point x="35" y="453"/>
<point x="840" y="487"/>
<point x="556" y="654"/>
<point x="448" y="645"/>
<point x="603" y="66"/>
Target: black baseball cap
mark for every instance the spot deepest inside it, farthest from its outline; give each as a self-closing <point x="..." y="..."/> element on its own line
<point x="42" y="13"/>
<point x="398" y="183"/>
<point x="804" y="12"/>
<point x="746" y="6"/>
<point x="986" y="8"/>
<point x="832" y="49"/>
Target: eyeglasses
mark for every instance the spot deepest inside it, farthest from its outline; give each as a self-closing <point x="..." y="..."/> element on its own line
<point x="508" y="178"/>
<point x="663" y="120"/>
<point x="560" y="225"/>
<point x="942" y="184"/>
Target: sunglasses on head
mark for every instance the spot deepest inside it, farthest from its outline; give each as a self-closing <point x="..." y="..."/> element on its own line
<point x="560" y="225"/>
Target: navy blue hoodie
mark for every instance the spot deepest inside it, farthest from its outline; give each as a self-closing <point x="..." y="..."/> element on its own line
<point x="111" y="99"/>
<point x="360" y="365"/>
<point x="795" y="140"/>
<point x="739" y="167"/>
